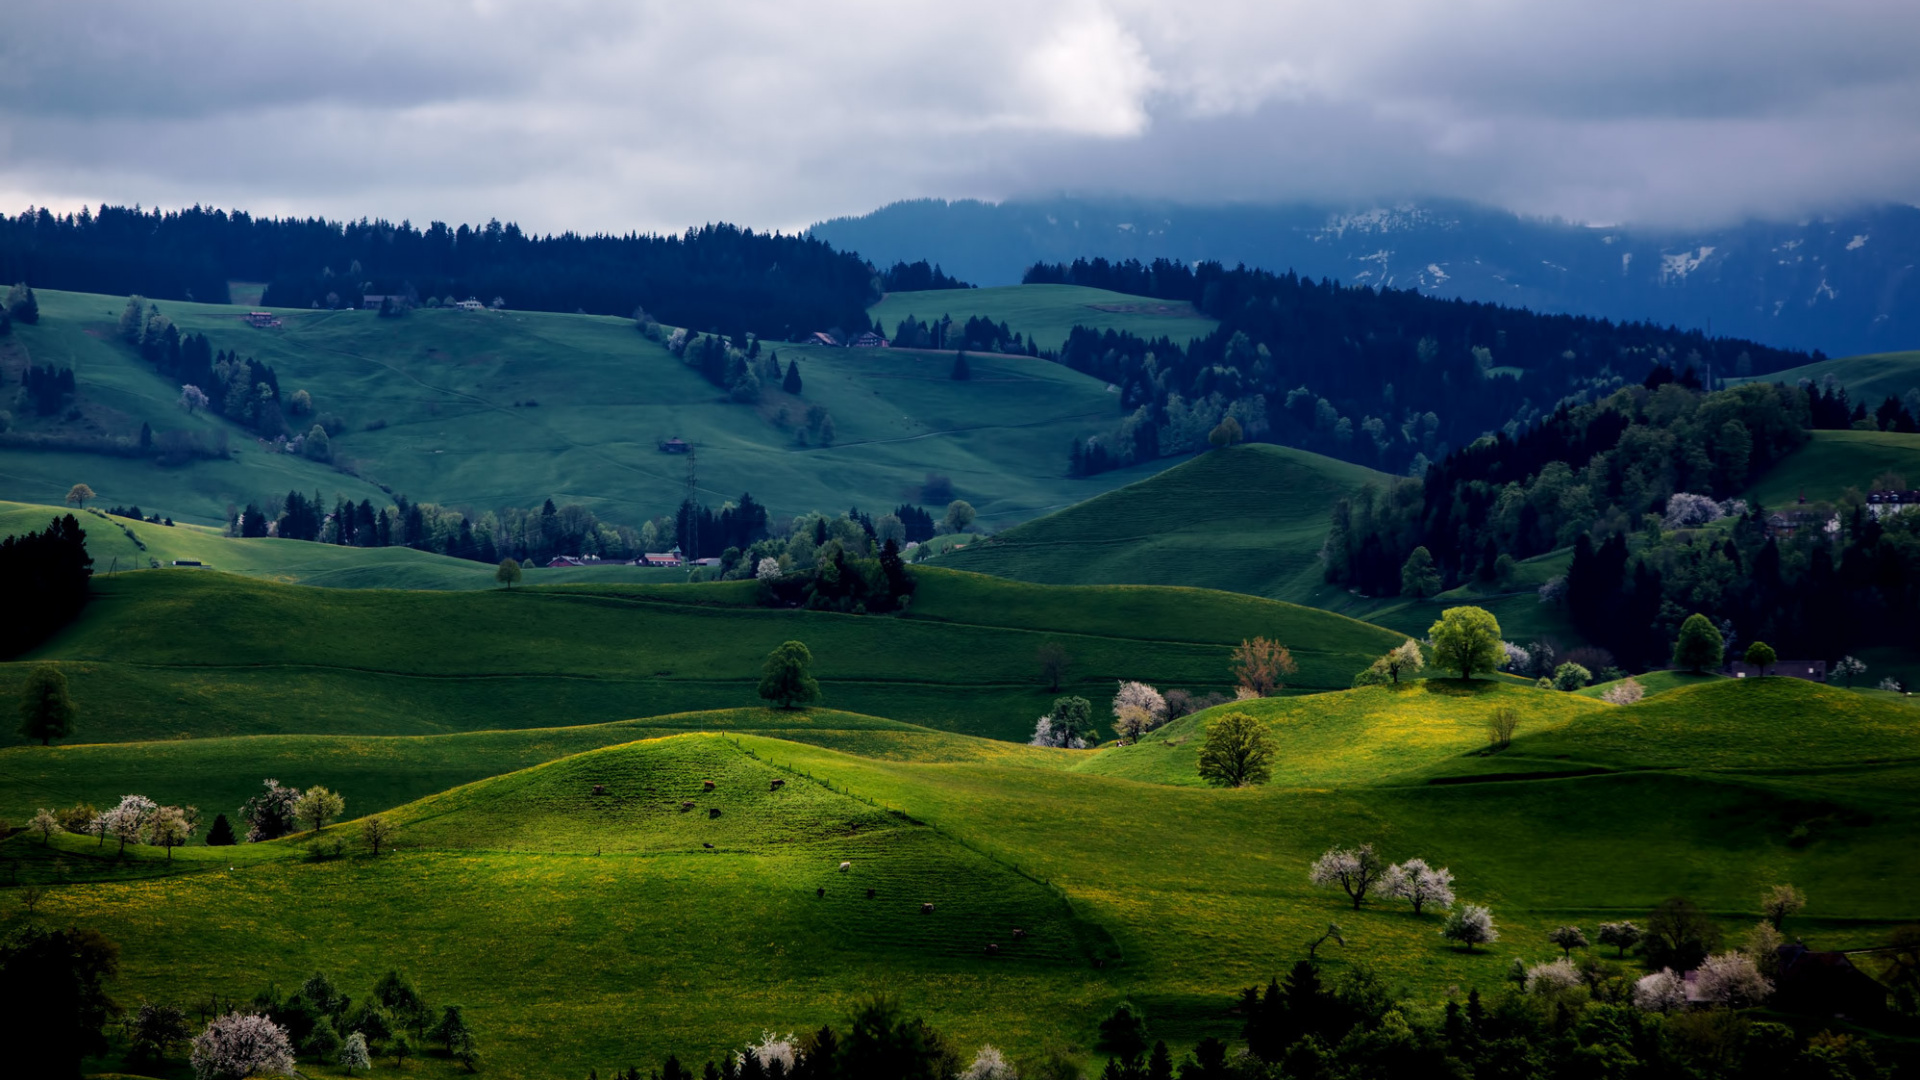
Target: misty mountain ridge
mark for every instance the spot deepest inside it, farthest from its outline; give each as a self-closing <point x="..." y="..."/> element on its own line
<point x="1842" y="284"/>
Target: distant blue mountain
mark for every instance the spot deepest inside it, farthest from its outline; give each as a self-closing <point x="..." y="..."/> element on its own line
<point x="1843" y="284"/>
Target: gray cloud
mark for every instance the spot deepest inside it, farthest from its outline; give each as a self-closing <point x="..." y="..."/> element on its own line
<point x="596" y="114"/>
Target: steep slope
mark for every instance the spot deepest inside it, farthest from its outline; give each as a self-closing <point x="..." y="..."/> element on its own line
<point x="1249" y="519"/>
<point x="1833" y="461"/>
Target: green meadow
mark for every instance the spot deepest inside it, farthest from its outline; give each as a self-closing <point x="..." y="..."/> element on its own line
<point x="1833" y="461"/>
<point x="484" y="410"/>
<point x="1046" y="314"/>
<point x="1868" y="379"/>
<point x="177" y="653"/>
<point x="584" y="929"/>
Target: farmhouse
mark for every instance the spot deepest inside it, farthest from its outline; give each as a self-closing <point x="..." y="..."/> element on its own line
<point x="1810" y="670"/>
<point x="470" y="304"/>
<point x="820" y="337"/>
<point x="1883" y="504"/>
<point x="869" y="340"/>
<point x="263" y="319"/>
<point x="660" y="558"/>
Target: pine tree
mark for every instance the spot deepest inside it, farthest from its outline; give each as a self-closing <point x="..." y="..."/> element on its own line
<point x="791" y="384"/>
<point x="221" y="834"/>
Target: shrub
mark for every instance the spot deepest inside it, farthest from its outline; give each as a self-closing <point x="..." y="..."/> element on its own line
<point x="1571" y="677"/>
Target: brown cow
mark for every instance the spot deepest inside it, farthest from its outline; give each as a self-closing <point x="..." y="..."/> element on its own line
<point x="776" y="785"/>
<point x="706" y="785"/>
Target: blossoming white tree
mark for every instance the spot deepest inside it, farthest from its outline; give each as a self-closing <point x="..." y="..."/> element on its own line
<point x="1620" y="935"/>
<point x="1664" y="991"/>
<point x="1731" y="979"/>
<point x="1355" y="870"/>
<point x="1419" y="884"/>
<point x="1137" y="709"/>
<point x="771" y="1048"/>
<point x="1470" y="925"/>
<point x="46" y="825"/>
<point x="353" y="1053"/>
<point x="1552" y="978"/>
<point x="990" y="1064"/>
<point x="237" y="1046"/>
<point x="1624" y="693"/>
<point x="127" y="821"/>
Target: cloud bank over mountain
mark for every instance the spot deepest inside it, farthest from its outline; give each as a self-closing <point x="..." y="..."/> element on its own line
<point x="584" y="114"/>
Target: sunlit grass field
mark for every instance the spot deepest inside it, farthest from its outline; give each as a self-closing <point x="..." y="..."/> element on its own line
<point x="1047" y="313"/>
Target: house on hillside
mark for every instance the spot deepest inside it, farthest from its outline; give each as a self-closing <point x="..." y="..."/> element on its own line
<point x="1883" y="504"/>
<point x="869" y="340"/>
<point x="1825" y="984"/>
<point x="668" y="559"/>
<point x="1810" y="670"/>
<point x="264" y="320"/>
<point x="564" y="560"/>
<point x="820" y="337"/>
<point x="1784" y="525"/>
<point x="470" y="304"/>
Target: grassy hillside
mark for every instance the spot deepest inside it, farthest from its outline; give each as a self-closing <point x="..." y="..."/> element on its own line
<point x="119" y="544"/>
<point x="595" y="930"/>
<point x="1249" y="519"/>
<point x="1868" y="378"/>
<point x="484" y="410"/>
<point x="165" y="653"/>
<point x="1833" y="461"/>
<point x="1046" y="313"/>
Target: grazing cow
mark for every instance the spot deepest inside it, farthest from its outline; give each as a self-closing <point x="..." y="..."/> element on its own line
<point x="776" y="785"/>
<point x="706" y="785"/>
<point x="1019" y="934"/>
<point x="713" y="812"/>
<point x="926" y="909"/>
<point x="685" y="806"/>
<point x="599" y="789"/>
<point x="869" y="894"/>
<point x="845" y="866"/>
<point x="992" y="949"/>
<point x="820" y="892"/>
<point x="706" y="845"/>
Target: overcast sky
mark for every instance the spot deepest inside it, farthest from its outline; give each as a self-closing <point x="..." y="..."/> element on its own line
<point x="627" y="114"/>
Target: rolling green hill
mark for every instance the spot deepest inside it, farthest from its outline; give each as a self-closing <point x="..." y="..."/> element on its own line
<point x="596" y="929"/>
<point x="1868" y="378"/>
<point x="165" y="653"/>
<point x="1833" y="461"/>
<point x="1046" y="313"/>
<point x="485" y="410"/>
<point x="1249" y="519"/>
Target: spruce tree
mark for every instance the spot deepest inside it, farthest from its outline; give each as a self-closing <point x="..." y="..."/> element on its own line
<point x="791" y="384"/>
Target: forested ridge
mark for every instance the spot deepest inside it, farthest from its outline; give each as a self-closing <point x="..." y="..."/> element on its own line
<point x="1643" y="483"/>
<point x="1387" y="378"/>
<point x="718" y="278"/>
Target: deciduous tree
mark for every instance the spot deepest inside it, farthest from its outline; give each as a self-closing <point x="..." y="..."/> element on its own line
<point x="1405" y="659"/>
<point x="318" y="805"/>
<point x="46" y="824"/>
<point x="1761" y="655"/>
<point x="79" y="495"/>
<point x="168" y="828"/>
<point x="1699" y="645"/>
<point x="1620" y="935"/>
<point x="1259" y="664"/>
<point x="1053" y="660"/>
<point x="1780" y="901"/>
<point x="237" y="1046"/>
<point x="377" y="831"/>
<point x="1849" y="668"/>
<point x="1355" y="870"/>
<point x="1568" y="938"/>
<point x="1470" y="925"/>
<point x="1419" y="884"/>
<point x="787" y="680"/>
<point x="509" y="573"/>
<point x="46" y="712"/>
<point x="1419" y="577"/>
<point x="1238" y="751"/>
<point x="1467" y="639"/>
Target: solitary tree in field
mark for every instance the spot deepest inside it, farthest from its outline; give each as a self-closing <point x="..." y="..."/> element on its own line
<point x="509" y="573"/>
<point x="1419" y="577"/>
<point x="1227" y="433"/>
<point x="1355" y="870"/>
<point x="1761" y="655"/>
<point x="1781" y="901"/>
<point x="1053" y="660"/>
<point x="1847" y="668"/>
<point x="1467" y="639"/>
<point x="1238" y="751"/>
<point x="1620" y="935"/>
<point x="787" y="681"/>
<point x="959" y="519"/>
<point x="46" y="712"/>
<point x="1470" y="925"/>
<point x="377" y="831"/>
<point x="1568" y="938"/>
<point x="221" y="832"/>
<point x="238" y="1044"/>
<point x="79" y="495"/>
<point x="1259" y="664"/>
<point x="318" y="805"/>
<point x="1699" y="645"/>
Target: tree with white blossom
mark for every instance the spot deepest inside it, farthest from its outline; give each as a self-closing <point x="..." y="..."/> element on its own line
<point x="1554" y="977"/>
<point x="1137" y="709"/>
<point x="1419" y="884"/>
<point x="770" y="1049"/>
<point x="1470" y="925"/>
<point x="1664" y="991"/>
<point x="1621" y="935"/>
<point x="1354" y="870"/>
<point x="128" y="821"/>
<point x="1731" y="979"/>
<point x="1625" y="692"/>
<point x="237" y="1046"/>
<point x="46" y="824"/>
<point x="353" y="1053"/>
<point x="990" y="1064"/>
